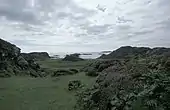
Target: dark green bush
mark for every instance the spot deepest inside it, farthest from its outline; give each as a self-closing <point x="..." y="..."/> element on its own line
<point x="92" y="72"/>
<point x="134" y="86"/>
<point x="63" y="72"/>
<point x="74" y="70"/>
<point x="74" y="85"/>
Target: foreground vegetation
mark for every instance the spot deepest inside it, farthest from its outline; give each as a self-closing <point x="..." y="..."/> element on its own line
<point x="134" y="84"/>
<point x="49" y="93"/>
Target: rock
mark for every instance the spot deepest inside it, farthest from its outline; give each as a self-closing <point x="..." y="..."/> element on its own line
<point x="73" y="57"/>
<point x="34" y="65"/>
<point x="4" y="74"/>
<point x="12" y="62"/>
<point x="3" y="65"/>
<point x="22" y="62"/>
<point x="8" y="50"/>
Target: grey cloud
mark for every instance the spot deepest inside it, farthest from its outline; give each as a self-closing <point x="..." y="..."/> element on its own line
<point x="132" y="23"/>
<point x="21" y="10"/>
<point x="17" y="10"/>
<point x="122" y="19"/>
<point x="70" y="16"/>
<point x="23" y="42"/>
<point x="165" y="24"/>
<point x="97" y="29"/>
<point x="138" y="33"/>
<point x="24" y="16"/>
<point x="123" y="27"/>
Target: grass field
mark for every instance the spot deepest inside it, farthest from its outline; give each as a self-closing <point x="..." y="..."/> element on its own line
<point x="25" y="93"/>
<point x="55" y="64"/>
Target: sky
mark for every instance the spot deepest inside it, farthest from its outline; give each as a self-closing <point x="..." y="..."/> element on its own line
<point x="84" y="25"/>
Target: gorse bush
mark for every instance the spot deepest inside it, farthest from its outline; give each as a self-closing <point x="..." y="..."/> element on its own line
<point x="133" y="86"/>
<point x="74" y="85"/>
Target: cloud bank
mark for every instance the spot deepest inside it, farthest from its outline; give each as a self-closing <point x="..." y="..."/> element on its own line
<point x="80" y="25"/>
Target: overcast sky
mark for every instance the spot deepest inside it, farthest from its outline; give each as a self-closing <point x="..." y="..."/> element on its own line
<point x="84" y="25"/>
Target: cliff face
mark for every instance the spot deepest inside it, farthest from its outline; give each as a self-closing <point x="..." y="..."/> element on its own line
<point x="128" y="51"/>
<point x="8" y="50"/>
<point x="13" y="63"/>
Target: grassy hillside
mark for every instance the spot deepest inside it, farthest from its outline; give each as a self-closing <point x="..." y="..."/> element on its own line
<point x="25" y="93"/>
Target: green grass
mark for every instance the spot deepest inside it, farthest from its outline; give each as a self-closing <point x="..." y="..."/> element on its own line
<point x="55" y="64"/>
<point x="25" y="93"/>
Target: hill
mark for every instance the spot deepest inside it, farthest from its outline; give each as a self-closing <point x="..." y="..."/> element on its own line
<point x="128" y="51"/>
<point x="36" y="55"/>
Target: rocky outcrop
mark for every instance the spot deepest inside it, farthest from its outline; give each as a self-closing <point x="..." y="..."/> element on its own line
<point x="12" y="62"/>
<point x="8" y="51"/>
<point x="73" y="57"/>
<point x="128" y="51"/>
<point x="36" y="55"/>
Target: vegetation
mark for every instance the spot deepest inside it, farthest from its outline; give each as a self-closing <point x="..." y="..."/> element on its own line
<point x="132" y="85"/>
<point x="25" y="93"/>
<point x="59" y="64"/>
<point x="62" y="72"/>
<point x="74" y="85"/>
<point x="129" y="78"/>
<point x="47" y="93"/>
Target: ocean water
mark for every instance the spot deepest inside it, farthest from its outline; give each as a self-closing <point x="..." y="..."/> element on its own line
<point x="88" y="55"/>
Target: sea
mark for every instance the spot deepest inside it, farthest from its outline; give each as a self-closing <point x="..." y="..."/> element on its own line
<point x="84" y="55"/>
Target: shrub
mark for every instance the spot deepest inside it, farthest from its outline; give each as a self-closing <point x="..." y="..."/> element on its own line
<point x="74" y="85"/>
<point x="63" y="72"/>
<point x="128" y="87"/>
<point x="92" y="72"/>
<point x="74" y="70"/>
